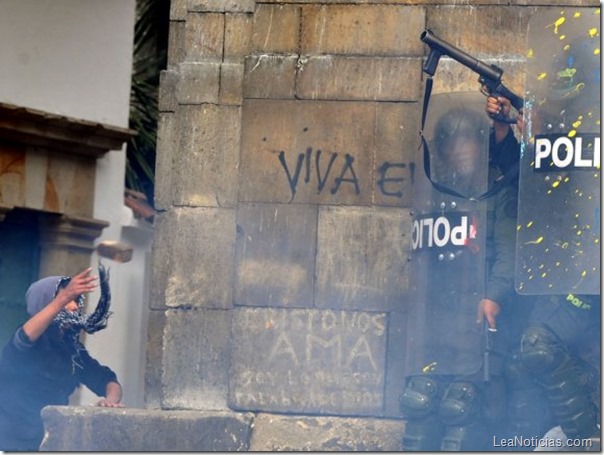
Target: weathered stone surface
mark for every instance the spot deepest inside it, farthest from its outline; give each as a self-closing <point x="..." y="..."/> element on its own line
<point x="205" y="163"/>
<point x="506" y="49"/>
<point x="204" y="36"/>
<point x="276" y="28"/>
<point x="178" y="10"/>
<point x="428" y="3"/>
<point x="195" y="359"/>
<point x="176" y="43"/>
<point x="168" y="83"/>
<point x="83" y="429"/>
<point x="361" y="2"/>
<point x="297" y="152"/>
<point x="154" y="356"/>
<point x="397" y="140"/>
<point x="198" y="83"/>
<point x="451" y="76"/>
<point x="198" y="259"/>
<point x="592" y="3"/>
<point x="221" y="5"/>
<point x="193" y="251"/>
<point x="237" y="36"/>
<point x="167" y="142"/>
<point x="359" y="78"/>
<point x="231" y="84"/>
<point x="308" y="361"/>
<point x="479" y="40"/>
<point x="164" y="226"/>
<point x="79" y="429"/>
<point x="274" y="432"/>
<point x="362" y="258"/>
<point x="382" y="30"/>
<point x="275" y="259"/>
<point x="270" y="76"/>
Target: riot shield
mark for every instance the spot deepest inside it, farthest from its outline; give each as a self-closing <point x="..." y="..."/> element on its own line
<point x="558" y="240"/>
<point x="448" y="239"/>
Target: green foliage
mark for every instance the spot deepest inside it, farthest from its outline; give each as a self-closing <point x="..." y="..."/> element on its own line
<point x="149" y="58"/>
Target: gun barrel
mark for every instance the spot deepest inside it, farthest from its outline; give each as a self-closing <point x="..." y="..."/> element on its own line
<point x="488" y="71"/>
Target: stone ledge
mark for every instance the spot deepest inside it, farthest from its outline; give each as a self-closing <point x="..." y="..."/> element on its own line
<point x="84" y="429"/>
<point x="274" y="432"/>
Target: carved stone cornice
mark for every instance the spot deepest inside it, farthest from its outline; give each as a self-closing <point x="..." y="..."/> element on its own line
<point x="70" y="232"/>
<point x="38" y="128"/>
<point x="66" y="243"/>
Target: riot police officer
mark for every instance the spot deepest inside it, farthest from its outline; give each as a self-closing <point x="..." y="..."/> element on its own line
<point x="457" y="400"/>
<point x="551" y="376"/>
<point x="558" y="358"/>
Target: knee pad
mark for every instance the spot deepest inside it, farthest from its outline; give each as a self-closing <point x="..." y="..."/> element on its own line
<point x="540" y="350"/>
<point x="460" y="410"/>
<point x="419" y="403"/>
<point x="460" y="404"/>
<point x="420" y="397"/>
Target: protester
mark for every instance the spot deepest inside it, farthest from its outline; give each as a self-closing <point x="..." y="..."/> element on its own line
<point x="44" y="361"/>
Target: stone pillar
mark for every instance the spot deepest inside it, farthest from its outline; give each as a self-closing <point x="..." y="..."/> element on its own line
<point x="284" y="173"/>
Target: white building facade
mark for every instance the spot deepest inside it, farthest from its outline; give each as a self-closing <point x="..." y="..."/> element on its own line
<point x="73" y="59"/>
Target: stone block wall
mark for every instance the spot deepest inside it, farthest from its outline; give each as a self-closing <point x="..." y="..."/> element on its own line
<point x="287" y="150"/>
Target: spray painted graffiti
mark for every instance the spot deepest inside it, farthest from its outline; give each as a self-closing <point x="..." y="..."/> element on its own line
<point x="332" y="170"/>
<point x="387" y="180"/>
<point x="315" y="360"/>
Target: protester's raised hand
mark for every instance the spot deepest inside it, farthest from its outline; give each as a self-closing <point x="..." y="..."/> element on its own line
<point x="82" y="283"/>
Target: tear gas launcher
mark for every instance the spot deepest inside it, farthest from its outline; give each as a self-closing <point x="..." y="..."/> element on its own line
<point x="489" y="75"/>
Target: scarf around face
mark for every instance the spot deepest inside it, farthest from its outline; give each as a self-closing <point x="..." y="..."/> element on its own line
<point x="66" y="326"/>
<point x="71" y="323"/>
